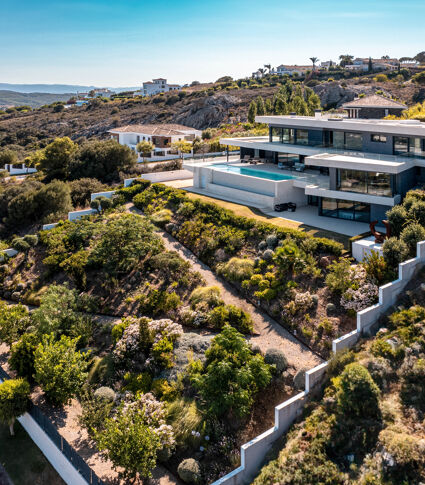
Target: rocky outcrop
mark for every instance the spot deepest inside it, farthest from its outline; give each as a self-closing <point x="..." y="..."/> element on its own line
<point x="333" y="95"/>
<point x="208" y="111"/>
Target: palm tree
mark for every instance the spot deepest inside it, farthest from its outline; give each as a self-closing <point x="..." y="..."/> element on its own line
<point x="345" y="59"/>
<point x="268" y="66"/>
<point x="313" y="61"/>
<point x="260" y="69"/>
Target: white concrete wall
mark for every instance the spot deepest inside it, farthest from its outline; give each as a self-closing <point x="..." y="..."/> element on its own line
<point x="364" y="247"/>
<point x="19" y="171"/>
<point x="10" y="252"/>
<point x="74" y="215"/>
<point x="108" y="194"/>
<point x="46" y="227"/>
<point x="57" y="459"/>
<point x="243" y="182"/>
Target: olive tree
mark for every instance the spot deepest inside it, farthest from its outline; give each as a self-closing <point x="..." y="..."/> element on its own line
<point x="14" y="400"/>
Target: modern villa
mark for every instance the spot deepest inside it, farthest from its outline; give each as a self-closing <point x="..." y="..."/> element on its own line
<point x="355" y="169"/>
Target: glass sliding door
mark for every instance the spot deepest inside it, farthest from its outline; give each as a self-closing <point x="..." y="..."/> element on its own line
<point x="344" y="209"/>
<point x="288" y="136"/>
<point x="401" y="145"/>
<point x="275" y="134"/>
<point x="302" y="137"/>
<point x="354" y="141"/>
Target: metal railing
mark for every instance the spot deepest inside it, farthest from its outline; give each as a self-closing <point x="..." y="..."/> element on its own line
<point x="60" y="442"/>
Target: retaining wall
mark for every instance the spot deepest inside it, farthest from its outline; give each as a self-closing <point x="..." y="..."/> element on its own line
<point x="253" y="453"/>
<point x="109" y="194"/>
<point x="74" y="215"/>
<point x="10" y="252"/>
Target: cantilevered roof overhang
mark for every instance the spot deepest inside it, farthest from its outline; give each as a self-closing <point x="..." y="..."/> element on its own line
<point x="263" y="143"/>
<point x="367" y="163"/>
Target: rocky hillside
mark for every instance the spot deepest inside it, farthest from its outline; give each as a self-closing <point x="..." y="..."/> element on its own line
<point x="201" y="108"/>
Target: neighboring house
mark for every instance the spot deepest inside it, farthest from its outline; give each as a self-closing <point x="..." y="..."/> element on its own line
<point x="156" y="86"/>
<point x="347" y="168"/>
<point x="327" y="64"/>
<point x="161" y="136"/>
<point x="362" y="64"/>
<point x="291" y="70"/>
<point x="374" y="106"/>
<point x="102" y="92"/>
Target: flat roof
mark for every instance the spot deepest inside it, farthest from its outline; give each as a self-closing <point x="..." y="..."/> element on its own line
<point x="396" y="127"/>
<point x="370" y="162"/>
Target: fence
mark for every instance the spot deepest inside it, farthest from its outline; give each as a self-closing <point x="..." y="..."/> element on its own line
<point x="254" y="452"/>
<point x="85" y="473"/>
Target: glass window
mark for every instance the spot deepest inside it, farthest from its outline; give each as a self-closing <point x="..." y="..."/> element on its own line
<point x="416" y="147"/>
<point x="379" y="184"/>
<point x="378" y="138"/>
<point x="276" y="134"/>
<point x="338" y="140"/>
<point x="401" y="144"/>
<point x="329" y="207"/>
<point x="302" y="137"/>
<point x="362" y="212"/>
<point x="353" y="141"/>
<point x="353" y="181"/>
<point x="288" y="136"/>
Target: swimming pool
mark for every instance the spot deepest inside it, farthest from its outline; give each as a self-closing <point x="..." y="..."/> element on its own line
<point x="252" y="172"/>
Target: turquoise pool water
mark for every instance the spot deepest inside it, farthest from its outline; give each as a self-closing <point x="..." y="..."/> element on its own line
<point x="262" y="174"/>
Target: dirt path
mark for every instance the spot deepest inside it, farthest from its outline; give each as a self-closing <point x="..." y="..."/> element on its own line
<point x="270" y="333"/>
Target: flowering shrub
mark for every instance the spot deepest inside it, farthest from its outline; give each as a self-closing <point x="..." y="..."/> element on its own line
<point x="365" y="296"/>
<point x="300" y="302"/>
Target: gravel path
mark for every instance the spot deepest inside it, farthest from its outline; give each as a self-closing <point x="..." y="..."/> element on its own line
<point x="270" y="333"/>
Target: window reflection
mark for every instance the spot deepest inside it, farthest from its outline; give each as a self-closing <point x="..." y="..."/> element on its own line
<point x="373" y="183"/>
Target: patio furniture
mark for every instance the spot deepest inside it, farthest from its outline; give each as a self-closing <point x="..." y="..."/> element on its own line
<point x="292" y="207"/>
<point x="281" y="207"/>
<point x="299" y="167"/>
<point x="246" y="159"/>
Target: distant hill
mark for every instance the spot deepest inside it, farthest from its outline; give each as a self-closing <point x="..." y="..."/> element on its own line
<point x="56" y="88"/>
<point x="35" y="100"/>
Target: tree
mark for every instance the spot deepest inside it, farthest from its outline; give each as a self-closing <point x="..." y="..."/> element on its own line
<point x="56" y="159"/>
<point x="268" y="67"/>
<point x="314" y="61"/>
<point x="370" y="65"/>
<point x="103" y="160"/>
<point x="356" y="392"/>
<point x="420" y="57"/>
<point x="59" y="368"/>
<point x="145" y="148"/>
<point x="345" y="59"/>
<point x="14" y="320"/>
<point x="268" y="106"/>
<point x="8" y="156"/>
<point x="134" y="436"/>
<point x="81" y="190"/>
<point x="53" y="198"/>
<point x="419" y="78"/>
<point x="231" y="375"/>
<point x="22" y="355"/>
<point x="252" y="111"/>
<point x="182" y="146"/>
<point x="261" y="110"/>
<point x="125" y="240"/>
<point x="14" y="400"/>
<point x="59" y="314"/>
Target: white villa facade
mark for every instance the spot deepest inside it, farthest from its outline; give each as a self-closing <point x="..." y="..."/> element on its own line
<point x="352" y="169"/>
<point x="161" y="136"/>
<point x="156" y="86"/>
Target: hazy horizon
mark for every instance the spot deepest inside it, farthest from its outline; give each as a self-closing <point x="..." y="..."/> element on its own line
<point x="102" y="43"/>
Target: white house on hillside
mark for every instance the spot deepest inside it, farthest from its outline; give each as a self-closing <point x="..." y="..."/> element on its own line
<point x="291" y="70"/>
<point x="157" y="86"/>
<point x="161" y="136"/>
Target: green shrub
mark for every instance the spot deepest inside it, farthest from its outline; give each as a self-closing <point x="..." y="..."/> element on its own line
<point x="237" y="269"/>
<point x="135" y="188"/>
<point x="395" y="251"/>
<point x="105" y="393"/>
<point x="277" y="358"/>
<point x="137" y="383"/>
<point x="338" y="279"/>
<point x="22" y="355"/>
<point x="231" y="375"/>
<point x="189" y="471"/>
<point x="161" y="217"/>
<point x="118" y="330"/>
<point x="356" y="392"/>
<point x="230" y="315"/>
<point x="411" y="235"/>
<point x="31" y="239"/>
<point x="412" y="374"/>
<point x="94" y="412"/>
<point x="210" y="295"/>
<point x="20" y="244"/>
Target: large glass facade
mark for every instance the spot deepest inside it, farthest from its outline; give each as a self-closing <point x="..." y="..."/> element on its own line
<point x="344" y="209"/>
<point x="409" y="146"/>
<point x="373" y="183"/>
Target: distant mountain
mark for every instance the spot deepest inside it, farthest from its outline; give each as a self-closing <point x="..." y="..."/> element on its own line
<point x="56" y="88"/>
<point x="35" y="100"/>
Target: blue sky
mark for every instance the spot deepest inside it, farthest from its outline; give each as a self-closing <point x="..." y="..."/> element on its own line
<point x="126" y="42"/>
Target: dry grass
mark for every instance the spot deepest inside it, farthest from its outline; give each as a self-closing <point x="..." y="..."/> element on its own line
<point x="253" y="213"/>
